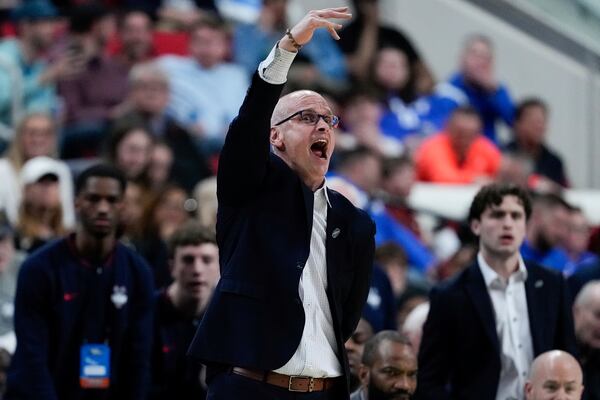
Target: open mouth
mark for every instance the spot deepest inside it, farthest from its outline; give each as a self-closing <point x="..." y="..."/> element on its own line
<point x="319" y="148"/>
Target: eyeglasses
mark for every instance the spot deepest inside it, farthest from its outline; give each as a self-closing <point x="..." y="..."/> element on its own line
<point x="309" y="117"/>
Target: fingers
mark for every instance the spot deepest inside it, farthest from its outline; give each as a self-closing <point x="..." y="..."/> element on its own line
<point x="333" y="33"/>
<point x="339" y="13"/>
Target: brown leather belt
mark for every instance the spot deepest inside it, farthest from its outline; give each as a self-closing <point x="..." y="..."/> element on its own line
<point x="293" y="383"/>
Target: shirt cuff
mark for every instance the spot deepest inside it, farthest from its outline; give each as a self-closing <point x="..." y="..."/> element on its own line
<point x="275" y="67"/>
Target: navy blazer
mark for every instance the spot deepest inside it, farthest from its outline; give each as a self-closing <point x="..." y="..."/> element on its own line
<point x="459" y="356"/>
<point x="264" y="224"/>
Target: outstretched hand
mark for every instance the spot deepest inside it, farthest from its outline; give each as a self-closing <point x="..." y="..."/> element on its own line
<point x="315" y="19"/>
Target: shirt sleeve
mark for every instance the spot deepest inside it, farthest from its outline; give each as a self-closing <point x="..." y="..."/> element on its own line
<point x="275" y="67"/>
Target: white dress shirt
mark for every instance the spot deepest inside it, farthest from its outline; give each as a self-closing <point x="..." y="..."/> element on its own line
<point x="512" y="326"/>
<point x="316" y="354"/>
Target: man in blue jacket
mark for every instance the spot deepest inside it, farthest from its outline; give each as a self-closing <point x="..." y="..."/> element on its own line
<point x="295" y="256"/>
<point x="83" y="308"/>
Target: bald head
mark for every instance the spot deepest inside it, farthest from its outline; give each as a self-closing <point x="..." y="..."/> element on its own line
<point x="304" y="141"/>
<point x="555" y="375"/>
<point x="585" y="310"/>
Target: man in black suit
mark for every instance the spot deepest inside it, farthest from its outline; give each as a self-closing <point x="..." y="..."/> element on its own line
<point x="295" y="257"/>
<point x="487" y="324"/>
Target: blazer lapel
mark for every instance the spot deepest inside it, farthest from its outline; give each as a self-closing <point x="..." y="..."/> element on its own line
<point x="334" y="236"/>
<point x="309" y="201"/>
<point x="536" y="307"/>
<point x="483" y="304"/>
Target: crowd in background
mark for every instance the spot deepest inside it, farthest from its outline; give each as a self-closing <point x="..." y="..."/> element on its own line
<point x="150" y="88"/>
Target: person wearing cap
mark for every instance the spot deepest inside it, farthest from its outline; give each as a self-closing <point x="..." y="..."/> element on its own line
<point x="295" y="256"/>
<point x="27" y="78"/>
<point x="83" y="307"/>
<point x="47" y="196"/>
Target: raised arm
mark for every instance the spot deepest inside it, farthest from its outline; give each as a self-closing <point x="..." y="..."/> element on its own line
<point x="245" y="155"/>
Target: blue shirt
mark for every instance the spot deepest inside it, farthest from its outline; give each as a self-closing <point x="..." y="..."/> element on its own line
<point x="491" y="106"/>
<point x="555" y="258"/>
<point x="208" y="97"/>
<point x="15" y="72"/>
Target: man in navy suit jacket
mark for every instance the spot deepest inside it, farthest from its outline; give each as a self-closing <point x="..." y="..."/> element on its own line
<point x="295" y="256"/>
<point x="486" y="325"/>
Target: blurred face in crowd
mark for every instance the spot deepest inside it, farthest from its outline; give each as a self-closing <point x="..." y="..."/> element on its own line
<point x="98" y="206"/>
<point x="136" y="35"/>
<point x="43" y="194"/>
<point x="586" y="313"/>
<point x="555" y="375"/>
<point x="463" y="130"/>
<point x="7" y="250"/>
<point x="170" y="212"/>
<point x="362" y="110"/>
<point x="579" y="233"/>
<point x="209" y="46"/>
<point x="305" y="141"/>
<point x="38" y="137"/>
<point x="161" y="161"/>
<point x="356" y="345"/>
<point x="131" y="212"/>
<point x="392" y="69"/>
<point x="133" y="153"/>
<point x="400" y="181"/>
<point x="195" y="268"/>
<point x="104" y="29"/>
<point x="150" y="94"/>
<point x="477" y="60"/>
<point x="501" y="228"/>
<point x="38" y="34"/>
<point x="551" y="224"/>
<point x="393" y="375"/>
<point x="531" y="126"/>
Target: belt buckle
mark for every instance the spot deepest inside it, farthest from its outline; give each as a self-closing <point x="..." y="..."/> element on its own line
<point x="311" y="383"/>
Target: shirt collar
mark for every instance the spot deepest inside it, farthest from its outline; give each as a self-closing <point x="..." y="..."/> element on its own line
<point x="491" y="277"/>
<point x="324" y="189"/>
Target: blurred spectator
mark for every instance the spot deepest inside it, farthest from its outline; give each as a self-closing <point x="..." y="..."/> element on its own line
<point x="181" y="15"/>
<point x="87" y="295"/>
<point x="206" y="91"/>
<point x="361" y="167"/>
<point x="194" y="265"/>
<point x="408" y="301"/>
<point x="10" y="263"/>
<point x="486" y="325"/>
<point x="205" y="194"/>
<point x="161" y="165"/>
<point x="47" y="195"/>
<point x="409" y="115"/>
<point x="547" y="232"/>
<point x="413" y="325"/>
<point x="135" y="35"/>
<point x="399" y="177"/>
<point x="361" y="38"/>
<point x="162" y="215"/>
<point x="515" y="168"/>
<point x="460" y="153"/>
<point x="380" y="308"/>
<point x="555" y="375"/>
<point x="530" y="126"/>
<point x="586" y="312"/>
<point x="577" y="242"/>
<point x="362" y="113"/>
<point x="354" y="350"/>
<point x="587" y="273"/>
<point x="130" y="214"/>
<point x="253" y="42"/>
<point x="147" y="101"/>
<point x="129" y="149"/>
<point x="35" y="136"/>
<point x="96" y="93"/>
<point x="389" y="368"/>
<point x="476" y="84"/>
<point x="392" y="259"/>
<point x="27" y="78"/>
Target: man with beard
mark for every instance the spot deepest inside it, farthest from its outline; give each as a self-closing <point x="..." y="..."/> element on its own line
<point x="487" y="324"/>
<point x="548" y="228"/>
<point x="389" y="368"/>
<point x="83" y="307"/>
